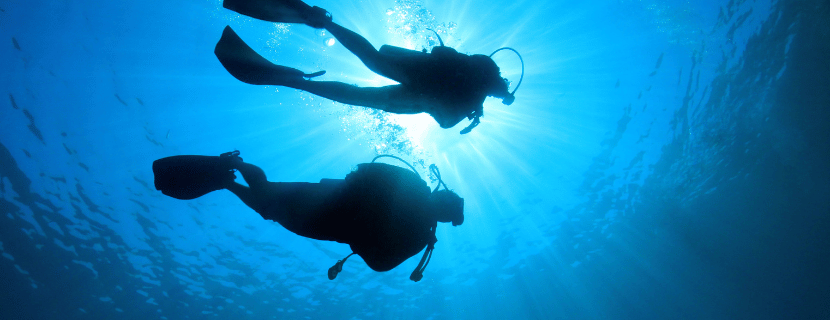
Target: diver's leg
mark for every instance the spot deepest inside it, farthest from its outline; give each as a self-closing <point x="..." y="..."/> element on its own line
<point x="366" y="52"/>
<point x="247" y="196"/>
<point x="253" y="175"/>
<point x="255" y="195"/>
<point x="393" y="98"/>
<point x="269" y="199"/>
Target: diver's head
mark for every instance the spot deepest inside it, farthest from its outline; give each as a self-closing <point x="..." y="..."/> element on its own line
<point x="494" y="84"/>
<point x="447" y="206"/>
<point x="502" y="91"/>
<point x="499" y="90"/>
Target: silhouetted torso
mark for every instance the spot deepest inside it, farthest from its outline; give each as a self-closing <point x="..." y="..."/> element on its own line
<point x="379" y="210"/>
<point x="453" y="83"/>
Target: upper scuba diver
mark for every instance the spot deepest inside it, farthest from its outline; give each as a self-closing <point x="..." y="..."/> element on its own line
<point x="446" y="84"/>
<point x="385" y="213"/>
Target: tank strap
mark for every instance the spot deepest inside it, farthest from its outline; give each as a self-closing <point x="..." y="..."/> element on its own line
<point x="418" y="273"/>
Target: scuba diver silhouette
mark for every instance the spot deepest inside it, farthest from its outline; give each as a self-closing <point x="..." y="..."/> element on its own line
<point x="446" y="84"/>
<point x="385" y="213"/>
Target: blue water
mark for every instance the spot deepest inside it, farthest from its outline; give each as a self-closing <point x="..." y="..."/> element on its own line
<point x="663" y="160"/>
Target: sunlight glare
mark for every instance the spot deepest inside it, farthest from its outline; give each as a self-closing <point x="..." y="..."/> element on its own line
<point x="416" y="126"/>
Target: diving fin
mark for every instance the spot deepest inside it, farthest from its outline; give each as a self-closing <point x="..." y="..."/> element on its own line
<point x="314" y="75"/>
<point x="189" y="177"/>
<point x="244" y="64"/>
<point x="282" y="11"/>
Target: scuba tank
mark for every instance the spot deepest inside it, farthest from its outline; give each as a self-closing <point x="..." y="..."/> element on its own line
<point x="402" y="52"/>
<point x="417" y="274"/>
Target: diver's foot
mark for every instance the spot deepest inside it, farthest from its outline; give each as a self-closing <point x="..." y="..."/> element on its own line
<point x="282" y="75"/>
<point x="228" y="178"/>
<point x="317" y="17"/>
<point x="230" y="161"/>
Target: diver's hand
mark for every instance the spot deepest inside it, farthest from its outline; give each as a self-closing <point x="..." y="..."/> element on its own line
<point x="478" y="113"/>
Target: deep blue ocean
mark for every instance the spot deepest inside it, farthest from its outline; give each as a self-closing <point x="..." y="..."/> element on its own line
<point x="663" y="160"/>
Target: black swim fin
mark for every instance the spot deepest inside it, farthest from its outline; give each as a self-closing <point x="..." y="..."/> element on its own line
<point x="244" y="64"/>
<point x="283" y="11"/>
<point x="189" y="177"/>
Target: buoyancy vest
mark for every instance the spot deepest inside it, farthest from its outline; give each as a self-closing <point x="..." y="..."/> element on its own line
<point x="390" y="218"/>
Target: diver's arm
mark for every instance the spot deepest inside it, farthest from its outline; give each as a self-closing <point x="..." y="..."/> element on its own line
<point x="478" y="112"/>
<point x="392" y="98"/>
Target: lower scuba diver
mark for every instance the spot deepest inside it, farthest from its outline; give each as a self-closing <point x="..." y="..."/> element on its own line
<point x="385" y="213"/>
<point x="444" y="83"/>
